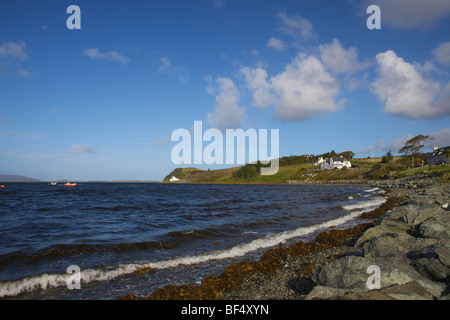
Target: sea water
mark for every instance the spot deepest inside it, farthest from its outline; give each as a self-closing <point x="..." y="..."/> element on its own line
<point x="179" y="232"/>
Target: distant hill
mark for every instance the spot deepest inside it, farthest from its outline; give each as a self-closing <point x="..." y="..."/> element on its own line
<point x="14" y="178"/>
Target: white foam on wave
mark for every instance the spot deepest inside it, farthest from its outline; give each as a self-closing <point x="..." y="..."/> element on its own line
<point x="44" y="281"/>
<point x="369" y="204"/>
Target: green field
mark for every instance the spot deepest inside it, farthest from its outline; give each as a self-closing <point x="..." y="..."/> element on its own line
<point x="297" y="168"/>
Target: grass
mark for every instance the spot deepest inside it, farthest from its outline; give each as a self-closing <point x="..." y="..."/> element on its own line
<point x="363" y="169"/>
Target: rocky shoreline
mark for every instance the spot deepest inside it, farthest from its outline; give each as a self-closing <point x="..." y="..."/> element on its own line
<point x="405" y="256"/>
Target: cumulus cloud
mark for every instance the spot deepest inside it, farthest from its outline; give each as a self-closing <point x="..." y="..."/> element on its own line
<point x="94" y="53"/>
<point x="340" y="60"/>
<point x="227" y="113"/>
<point x="412" y="14"/>
<point x="256" y="80"/>
<point x="441" y="138"/>
<point x="442" y="53"/>
<point x="404" y="92"/>
<point x="79" y="149"/>
<point x="303" y="90"/>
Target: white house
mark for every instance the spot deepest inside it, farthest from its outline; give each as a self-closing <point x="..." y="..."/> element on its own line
<point x="336" y="162"/>
<point x="319" y="162"/>
<point x="174" y="179"/>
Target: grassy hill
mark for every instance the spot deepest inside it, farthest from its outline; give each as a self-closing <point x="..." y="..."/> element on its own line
<point x="296" y="168"/>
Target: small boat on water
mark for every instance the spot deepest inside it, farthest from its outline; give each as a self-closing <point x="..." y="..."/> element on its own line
<point x="69" y="184"/>
<point x="53" y="183"/>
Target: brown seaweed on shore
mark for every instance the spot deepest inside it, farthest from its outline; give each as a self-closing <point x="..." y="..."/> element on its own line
<point x="234" y="275"/>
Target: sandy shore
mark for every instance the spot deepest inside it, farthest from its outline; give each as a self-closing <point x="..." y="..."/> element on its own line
<point x="409" y="240"/>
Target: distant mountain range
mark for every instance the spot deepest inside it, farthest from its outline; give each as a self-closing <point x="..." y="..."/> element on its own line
<point x="14" y="178"/>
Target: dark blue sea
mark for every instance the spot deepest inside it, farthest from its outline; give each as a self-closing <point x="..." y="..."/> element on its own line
<point x="183" y="232"/>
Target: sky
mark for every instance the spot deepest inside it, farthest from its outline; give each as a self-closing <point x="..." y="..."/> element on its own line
<point x="100" y="102"/>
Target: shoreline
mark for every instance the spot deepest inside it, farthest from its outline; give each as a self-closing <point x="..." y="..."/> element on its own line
<point x="217" y="287"/>
<point x="305" y="270"/>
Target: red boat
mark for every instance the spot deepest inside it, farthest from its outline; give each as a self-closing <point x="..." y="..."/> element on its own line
<point x="68" y="184"/>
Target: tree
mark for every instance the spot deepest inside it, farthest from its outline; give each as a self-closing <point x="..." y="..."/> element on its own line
<point x="387" y="157"/>
<point x="413" y="146"/>
<point x="347" y="154"/>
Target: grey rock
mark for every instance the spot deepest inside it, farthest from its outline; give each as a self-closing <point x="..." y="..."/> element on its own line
<point x="433" y="261"/>
<point x="350" y="273"/>
<point x="436" y="227"/>
<point x="443" y="253"/>
<point x="323" y="292"/>
<point x="394" y="244"/>
<point x="432" y="269"/>
<point x="385" y="226"/>
<point x="414" y="215"/>
<point x="408" y="291"/>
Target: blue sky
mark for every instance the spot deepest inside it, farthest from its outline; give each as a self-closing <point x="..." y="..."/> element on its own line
<point x="102" y="102"/>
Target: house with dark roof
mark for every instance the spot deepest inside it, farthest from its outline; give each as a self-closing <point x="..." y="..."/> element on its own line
<point x="438" y="156"/>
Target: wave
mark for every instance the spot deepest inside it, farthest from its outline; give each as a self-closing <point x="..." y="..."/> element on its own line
<point x="49" y="280"/>
<point x="369" y="204"/>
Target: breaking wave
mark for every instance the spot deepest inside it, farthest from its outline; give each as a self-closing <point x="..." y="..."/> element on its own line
<point x="52" y="280"/>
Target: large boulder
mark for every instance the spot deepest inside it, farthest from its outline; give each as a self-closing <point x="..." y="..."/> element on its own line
<point x="350" y="273"/>
<point x="415" y="214"/>
<point x="384" y="226"/>
<point x="394" y="244"/>
<point x="433" y="261"/>
<point x="437" y="226"/>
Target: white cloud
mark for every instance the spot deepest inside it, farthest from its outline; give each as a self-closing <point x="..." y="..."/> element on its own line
<point x="167" y="67"/>
<point x="256" y="81"/>
<point x="404" y="91"/>
<point x="13" y="50"/>
<point x="441" y="138"/>
<point x="296" y="26"/>
<point x="12" y="54"/>
<point x="79" y="149"/>
<point x="227" y="113"/>
<point x="94" y="53"/>
<point x="303" y="90"/>
<point x="340" y="60"/>
<point x="442" y="53"/>
<point x="276" y="44"/>
<point x="411" y="14"/>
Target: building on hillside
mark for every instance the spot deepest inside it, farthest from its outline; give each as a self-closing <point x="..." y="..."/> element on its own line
<point x="174" y="179"/>
<point x="319" y="162"/>
<point x="438" y="156"/>
<point x="336" y="162"/>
